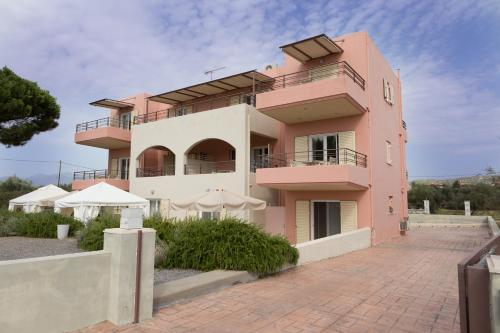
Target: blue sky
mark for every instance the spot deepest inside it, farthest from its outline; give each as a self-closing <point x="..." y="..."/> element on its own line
<point x="448" y="53"/>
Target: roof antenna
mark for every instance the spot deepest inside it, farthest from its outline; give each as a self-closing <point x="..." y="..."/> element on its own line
<point x="211" y="72"/>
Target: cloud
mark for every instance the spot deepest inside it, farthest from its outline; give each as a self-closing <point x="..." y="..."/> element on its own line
<point x="85" y="50"/>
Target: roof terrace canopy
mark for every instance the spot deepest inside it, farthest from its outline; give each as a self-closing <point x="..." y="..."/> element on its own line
<point x="311" y="48"/>
<point x="111" y="104"/>
<point x="214" y="87"/>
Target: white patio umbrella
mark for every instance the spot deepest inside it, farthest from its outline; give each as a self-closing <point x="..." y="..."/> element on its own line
<point x="218" y="200"/>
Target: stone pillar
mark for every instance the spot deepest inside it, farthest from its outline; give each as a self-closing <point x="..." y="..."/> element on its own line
<point x="467" y="208"/>
<point x="427" y="207"/>
<point x="122" y="244"/>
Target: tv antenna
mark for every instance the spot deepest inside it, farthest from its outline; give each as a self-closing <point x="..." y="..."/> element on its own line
<point x="211" y="71"/>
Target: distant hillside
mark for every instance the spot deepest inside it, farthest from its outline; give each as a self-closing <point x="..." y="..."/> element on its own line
<point x="45" y="179"/>
<point x="486" y="179"/>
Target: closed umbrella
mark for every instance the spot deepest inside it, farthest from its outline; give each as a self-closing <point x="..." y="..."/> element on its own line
<point x="218" y="200"/>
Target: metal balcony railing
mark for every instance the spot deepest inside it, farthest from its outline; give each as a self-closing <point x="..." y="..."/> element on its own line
<point x="167" y="170"/>
<point x="334" y="70"/>
<point x="198" y="167"/>
<point x="100" y="174"/>
<point x="343" y="156"/>
<point x="404" y="124"/>
<point x="102" y="123"/>
<point x="198" y="106"/>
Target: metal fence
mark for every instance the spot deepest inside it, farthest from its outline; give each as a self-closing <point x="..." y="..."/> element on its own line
<point x="197" y="167"/>
<point x="102" y="123"/>
<point x="100" y="174"/>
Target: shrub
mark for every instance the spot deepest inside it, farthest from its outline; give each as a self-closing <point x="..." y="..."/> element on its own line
<point x="91" y="238"/>
<point x="38" y="225"/>
<point x="227" y="244"/>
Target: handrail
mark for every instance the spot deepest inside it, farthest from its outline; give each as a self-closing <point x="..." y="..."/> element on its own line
<point x="100" y="174"/>
<point x="167" y="170"/>
<point x="404" y="124"/>
<point x="198" y="167"/>
<point x="102" y="123"/>
<point x="194" y="107"/>
<point x="343" y="156"/>
<point x="314" y="74"/>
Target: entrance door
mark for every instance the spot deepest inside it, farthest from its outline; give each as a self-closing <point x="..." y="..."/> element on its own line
<point x="326" y="218"/>
<point x="124" y="166"/>
<point x="324" y="148"/>
<point x="125" y="119"/>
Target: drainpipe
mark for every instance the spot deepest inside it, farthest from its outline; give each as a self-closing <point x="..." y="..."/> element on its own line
<point x="138" y="277"/>
<point x="370" y="161"/>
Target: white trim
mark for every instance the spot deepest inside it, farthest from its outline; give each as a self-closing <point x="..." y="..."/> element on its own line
<point x="325" y="147"/>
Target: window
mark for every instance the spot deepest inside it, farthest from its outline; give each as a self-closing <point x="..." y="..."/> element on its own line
<point x="323" y="148"/>
<point x="388" y="148"/>
<point x="209" y="215"/>
<point x="154" y="207"/>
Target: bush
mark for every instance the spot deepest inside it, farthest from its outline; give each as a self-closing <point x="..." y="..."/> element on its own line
<point x="205" y="244"/>
<point x="227" y="244"/>
<point x="38" y="225"/>
<point x="91" y="238"/>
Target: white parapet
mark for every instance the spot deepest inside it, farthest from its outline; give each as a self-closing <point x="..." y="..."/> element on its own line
<point x="333" y="246"/>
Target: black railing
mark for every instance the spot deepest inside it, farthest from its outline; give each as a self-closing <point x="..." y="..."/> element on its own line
<point x="198" y="106"/>
<point x="342" y="156"/>
<point x="100" y="174"/>
<point x="404" y="124"/>
<point x="337" y="69"/>
<point x="198" y="167"/>
<point x="102" y="123"/>
<point x="168" y="170"/>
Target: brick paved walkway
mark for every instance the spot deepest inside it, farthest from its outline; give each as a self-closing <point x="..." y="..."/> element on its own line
<point x="406" y="285"/>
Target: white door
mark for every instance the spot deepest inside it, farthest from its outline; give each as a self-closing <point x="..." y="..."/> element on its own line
<point x="323" y="148"/>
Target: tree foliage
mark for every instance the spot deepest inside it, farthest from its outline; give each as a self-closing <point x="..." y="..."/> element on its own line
<point x="13" y="187"/>
<point x="25" y="109"/>
<point x="481" y="196"/>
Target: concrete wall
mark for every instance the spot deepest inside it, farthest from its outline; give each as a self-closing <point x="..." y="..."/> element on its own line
<point x="334" y="246"/>
<point x="54" y="294"/>
<point x="68" y="292"/>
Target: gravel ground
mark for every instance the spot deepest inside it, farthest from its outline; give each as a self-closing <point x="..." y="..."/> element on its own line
<point x="24" y="247"/>
<point x="167" y="275"/>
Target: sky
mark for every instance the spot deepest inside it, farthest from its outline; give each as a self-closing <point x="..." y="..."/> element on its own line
<point x="448" y="53"/>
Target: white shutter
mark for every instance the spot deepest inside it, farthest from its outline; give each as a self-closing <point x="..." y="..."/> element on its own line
<point x="301" y="148"/>
<point x="347" y="140"/>
<point x="302" y="221"/>
<point x="113" y="173"/>
<point x="348" y="216"/>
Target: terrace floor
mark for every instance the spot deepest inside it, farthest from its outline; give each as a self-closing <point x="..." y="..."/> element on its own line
<point x="408" y="284"/>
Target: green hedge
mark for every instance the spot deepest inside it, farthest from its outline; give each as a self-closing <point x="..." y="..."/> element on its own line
<point x="205" y="244"/>
<point x="38" y="225"/>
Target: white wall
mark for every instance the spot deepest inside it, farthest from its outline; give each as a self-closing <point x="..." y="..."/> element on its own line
<point x="33" y="290"/>
<point x="232" y="124"/>
<point x="334" y="246"/>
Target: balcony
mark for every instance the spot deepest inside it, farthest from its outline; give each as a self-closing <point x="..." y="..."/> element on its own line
<point x="197" y="106"/>
<point x="324" y="92"/>
<point x="319" y="170"/>
<point x="108" y="133"/>
<point x="198" y="167"/>
<point x="84" y="179"/>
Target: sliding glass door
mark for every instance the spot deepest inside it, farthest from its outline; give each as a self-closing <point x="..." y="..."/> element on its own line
<point x="326" y="218"/>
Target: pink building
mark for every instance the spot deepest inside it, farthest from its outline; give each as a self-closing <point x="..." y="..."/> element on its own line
<point x="321" y="138"/>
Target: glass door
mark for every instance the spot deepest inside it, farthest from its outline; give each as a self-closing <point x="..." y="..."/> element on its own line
<point x="124" y="166"/>
<point x="260" y="157"/>
<point x="323" y="148"/>
<point x="326" y="218"/>
<point x="125" y="119"/>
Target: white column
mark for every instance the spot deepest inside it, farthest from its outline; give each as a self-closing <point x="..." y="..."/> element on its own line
<point x="427" y="208"/>
<point x="122" y="244"/>
<point x="467" y="208"/>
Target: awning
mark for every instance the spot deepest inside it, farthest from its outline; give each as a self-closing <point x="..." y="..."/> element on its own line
<point x="210" y="88"/>
<point x="111" y="104"/>
<point x="311" y="48"/>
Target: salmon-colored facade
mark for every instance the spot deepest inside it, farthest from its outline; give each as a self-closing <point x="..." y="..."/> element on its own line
<point x="324" y="143"/>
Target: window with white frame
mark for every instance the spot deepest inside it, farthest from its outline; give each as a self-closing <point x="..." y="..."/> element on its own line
<point x="209" y="215"/>
<point x="154" y="207"/>
<point x="388" y="152"/>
